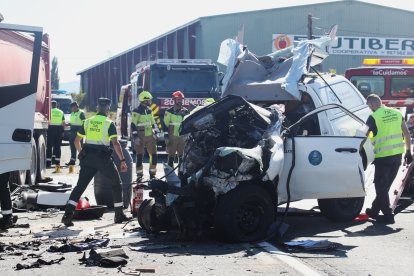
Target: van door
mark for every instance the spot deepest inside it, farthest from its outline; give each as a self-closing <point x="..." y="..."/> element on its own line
<point x="20" y="48"/>
<point x="324" y="166"/>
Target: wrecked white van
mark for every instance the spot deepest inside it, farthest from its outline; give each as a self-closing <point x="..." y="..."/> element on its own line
<point x="242" y="160"/>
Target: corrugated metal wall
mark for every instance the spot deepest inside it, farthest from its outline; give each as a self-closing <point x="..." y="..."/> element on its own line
<point x="353" y="18"/>
<point x="202" y="38"/>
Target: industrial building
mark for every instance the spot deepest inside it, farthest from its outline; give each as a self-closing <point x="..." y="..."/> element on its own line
<point x="364" y="30"/>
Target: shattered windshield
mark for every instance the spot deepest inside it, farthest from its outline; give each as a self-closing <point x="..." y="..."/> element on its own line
<point x="183" y="78"/>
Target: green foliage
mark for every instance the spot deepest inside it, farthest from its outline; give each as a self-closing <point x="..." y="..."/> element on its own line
<point x="79" y="98"/>
<point x="54" y="78"/>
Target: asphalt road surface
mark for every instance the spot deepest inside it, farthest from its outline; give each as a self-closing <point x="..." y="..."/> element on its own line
<point x="365" y="248"/>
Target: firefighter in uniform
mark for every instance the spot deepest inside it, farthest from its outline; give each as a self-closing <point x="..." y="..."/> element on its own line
<point x="94" y="156"/>
<point x="54" y="136"/>
<point x="144" y="131"/>
<point x="172" y="120"/>
<point x="76" y="120"/>
<point x="389" y="132"/>
<point x="5" y="201"/>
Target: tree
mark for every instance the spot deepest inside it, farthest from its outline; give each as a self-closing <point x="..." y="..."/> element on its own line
<point x="55" y="74"/>
<point x="79" y="97"/>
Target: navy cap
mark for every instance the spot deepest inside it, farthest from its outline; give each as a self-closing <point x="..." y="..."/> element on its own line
<point x="104" y="102"/>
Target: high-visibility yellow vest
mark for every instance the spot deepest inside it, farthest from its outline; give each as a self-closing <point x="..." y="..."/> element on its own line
<point x="175" y="120"/>
<point x="56" y="117"/>
<point x="389" y="139"/>
<point x="96" y="130"/>
<point x="142" y="118"/>
<point x="75" y="119"/>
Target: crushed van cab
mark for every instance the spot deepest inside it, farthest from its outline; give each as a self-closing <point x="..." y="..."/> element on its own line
<point x="266" y="142"/>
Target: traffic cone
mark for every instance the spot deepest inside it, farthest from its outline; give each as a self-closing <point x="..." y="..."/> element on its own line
<point x="57" y="169"/>
<point x="71" y="168"/>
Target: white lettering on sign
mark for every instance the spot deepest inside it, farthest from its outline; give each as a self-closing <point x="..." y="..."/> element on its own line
<point x="168" y="102"/>
<point x="389" y="72"/>
<point x="351" y="45"/>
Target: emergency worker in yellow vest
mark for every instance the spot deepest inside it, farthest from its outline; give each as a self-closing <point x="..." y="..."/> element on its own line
<point x="94" y="156"/>
<point x="172" y="120"/>
<point x="76" y="121"/>
<point x="144" y="132"/>
<point x="389" y="134"/>
<point x="54" y="135"/>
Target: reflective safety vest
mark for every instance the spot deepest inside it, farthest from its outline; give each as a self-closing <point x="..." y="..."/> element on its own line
<point x="389" y="139"/>
<point x="75" y="119"/>
<point x="56" y="117"/>
<point x="96" y="130"/>
<point x="174" y="119"/>
<point x="143" y="119"/>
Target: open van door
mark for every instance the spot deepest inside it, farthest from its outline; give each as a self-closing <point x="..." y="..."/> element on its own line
<point x="19" y="68"/>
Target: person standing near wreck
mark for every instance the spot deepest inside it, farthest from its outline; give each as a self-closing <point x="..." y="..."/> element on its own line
<point x="389" y="132"/>
<point x="95" y="156"/>
<point x="144" y="131"/>
<point x="77" y="117"/>
<point x="173" y="118"/>
<point x="54" y="136"/>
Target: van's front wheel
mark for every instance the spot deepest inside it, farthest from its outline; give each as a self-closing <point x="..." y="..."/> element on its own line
<point x="341" y="209"/>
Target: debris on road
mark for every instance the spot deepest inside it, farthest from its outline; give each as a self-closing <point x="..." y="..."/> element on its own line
<point x="78" y="246"/>
<point x="311" y="245"/>
<point x="112" y="258"/>
<point x="39" y="263"/>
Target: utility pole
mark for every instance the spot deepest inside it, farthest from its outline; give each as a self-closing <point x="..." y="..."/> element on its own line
<point x="310" y="26"/>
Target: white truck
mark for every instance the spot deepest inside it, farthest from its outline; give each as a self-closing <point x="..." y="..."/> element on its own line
<point x="20" y="80"/>
<point x="242" y="160"/>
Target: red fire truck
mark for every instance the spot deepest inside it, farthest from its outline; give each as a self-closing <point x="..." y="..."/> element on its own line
<point x="391" y="79"/>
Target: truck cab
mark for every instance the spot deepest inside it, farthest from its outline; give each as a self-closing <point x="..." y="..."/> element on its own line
<point x="391" y="79"/>
<point x="196" y="78"/>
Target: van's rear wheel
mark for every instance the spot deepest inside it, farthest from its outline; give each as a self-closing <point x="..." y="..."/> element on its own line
<point x="341" y="209"/>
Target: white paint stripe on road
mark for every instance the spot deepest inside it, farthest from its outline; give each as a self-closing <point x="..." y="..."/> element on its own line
<point x="286" y="258"/>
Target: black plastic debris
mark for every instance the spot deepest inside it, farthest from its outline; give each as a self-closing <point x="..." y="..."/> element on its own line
<point x="311" y="245"/>
<point x="113" y="258"/>
<point x="79" y="246"/>
<point x="38" y="263"/>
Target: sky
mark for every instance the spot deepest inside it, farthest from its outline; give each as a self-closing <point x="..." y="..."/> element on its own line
<point x="86" y="32"/>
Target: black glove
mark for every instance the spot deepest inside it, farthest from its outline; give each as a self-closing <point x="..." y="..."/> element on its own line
<point x="408" y="158"/>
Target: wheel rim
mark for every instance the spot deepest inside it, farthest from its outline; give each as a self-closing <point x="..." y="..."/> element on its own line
<point x="33" y="166"/>
<point x="42" y="160"/>
<point x="250" y="217"/>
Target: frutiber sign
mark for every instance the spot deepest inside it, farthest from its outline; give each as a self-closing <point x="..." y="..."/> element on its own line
<point x="353" y="45"/>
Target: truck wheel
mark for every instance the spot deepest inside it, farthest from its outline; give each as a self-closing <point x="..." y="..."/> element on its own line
<point x="41" y="158"/>
<point x="18" y="177"/>
<point x="32" y="172"/>
<point x="341" y="209"/>
<point x="244" y="214"/>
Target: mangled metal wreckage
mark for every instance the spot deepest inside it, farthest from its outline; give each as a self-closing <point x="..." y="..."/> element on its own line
<point x="242" y="160"/>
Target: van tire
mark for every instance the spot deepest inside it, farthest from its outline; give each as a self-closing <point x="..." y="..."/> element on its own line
<point x="341" y="209"/>
<point x="32" y="172"/>
<point x="41" y="158"/>
<point x="18" y="177"/>
<point x="244" y="214"/>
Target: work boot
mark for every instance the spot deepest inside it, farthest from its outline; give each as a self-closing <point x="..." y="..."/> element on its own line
<point x="57" y="169"/>
<point x="120" y="217"/>
<point x="371" y="213"/>
<point x="68" y="216"/>
<point x="386" y="219"/>
<point x="7" y="222"/>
